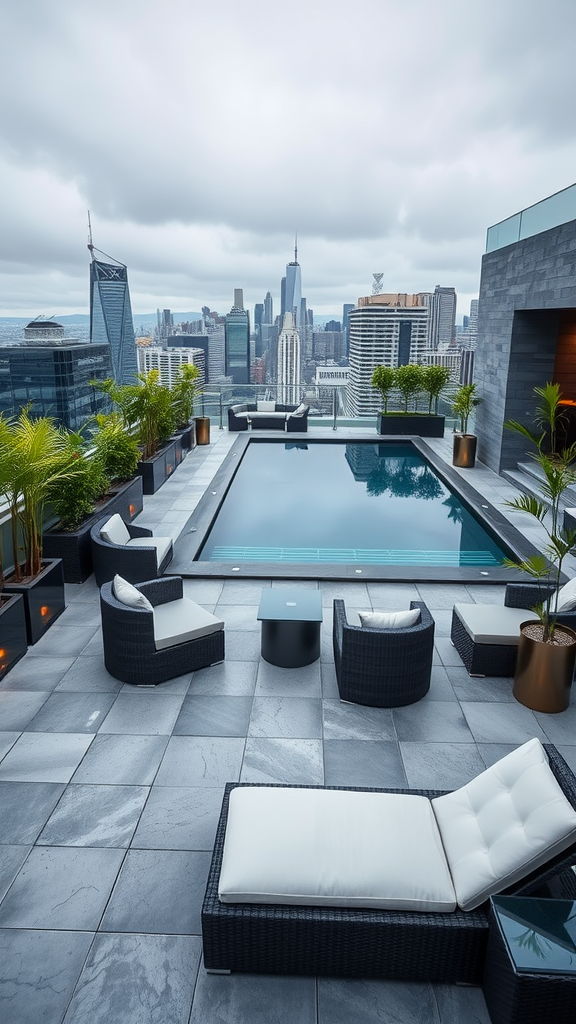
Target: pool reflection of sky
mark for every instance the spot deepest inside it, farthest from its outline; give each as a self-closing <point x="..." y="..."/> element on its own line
<point x="342" y="497"/>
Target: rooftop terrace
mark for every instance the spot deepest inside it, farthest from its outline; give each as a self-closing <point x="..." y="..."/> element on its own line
<point x="110" y="794"/>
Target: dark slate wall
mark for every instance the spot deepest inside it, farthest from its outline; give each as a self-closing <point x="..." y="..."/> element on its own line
<point x="523" y="288"/>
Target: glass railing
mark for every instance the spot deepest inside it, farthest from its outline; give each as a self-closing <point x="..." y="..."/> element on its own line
<point x="549" y="213"/>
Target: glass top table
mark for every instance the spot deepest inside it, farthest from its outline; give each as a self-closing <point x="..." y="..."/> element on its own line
<point x="540" y="935"/>
<point x="291" y="619"/>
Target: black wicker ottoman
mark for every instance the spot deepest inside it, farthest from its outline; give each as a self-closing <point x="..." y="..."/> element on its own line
<point x="530" y="972"/>
<point x="471" y="637"/>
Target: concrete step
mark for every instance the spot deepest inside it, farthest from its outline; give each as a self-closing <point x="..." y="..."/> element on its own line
<point x="528" y="477"/>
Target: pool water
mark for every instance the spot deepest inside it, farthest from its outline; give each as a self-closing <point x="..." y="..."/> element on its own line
<point x="379" y="504"/>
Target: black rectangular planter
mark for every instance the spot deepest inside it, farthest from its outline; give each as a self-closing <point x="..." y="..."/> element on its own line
<point x="43" y="597"/>
<point x="73" y="546"/>
<point x="155" y="471"/>
<point x="13" y="636"/>
<point x="187" y="436"/>
<point x="415" y="423"/>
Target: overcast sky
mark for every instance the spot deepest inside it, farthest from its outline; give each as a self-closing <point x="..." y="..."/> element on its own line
<point x="201" y="135"/>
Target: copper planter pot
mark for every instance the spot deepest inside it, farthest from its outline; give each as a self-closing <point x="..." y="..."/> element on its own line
<point x="464" y="450"/>
<point x="544" y="672"/>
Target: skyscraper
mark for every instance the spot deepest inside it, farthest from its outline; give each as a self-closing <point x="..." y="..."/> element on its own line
<point x="237" y="341"/>
<point x="442" y="317"/>
<point x="288" y="362"/>
<point x="293" y="297"/>
<point x="111" y="315"/>
<point x="268" y="317"/>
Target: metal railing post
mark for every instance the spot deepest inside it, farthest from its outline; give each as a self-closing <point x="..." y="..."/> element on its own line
<point x="334" y="407"/>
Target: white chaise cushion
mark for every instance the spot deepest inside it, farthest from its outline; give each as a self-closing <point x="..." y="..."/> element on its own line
<point x="129" y="595"/>
<point x="504" y="824"/>
<point x="161" y="544"/>
<point x="566" y="597"/>
<point x="335" y="848"/>
<point x="179" y="621"/>
<point x="390" y="620"/>
<point x="491" y="623"/>
<point x="115" y="531"/>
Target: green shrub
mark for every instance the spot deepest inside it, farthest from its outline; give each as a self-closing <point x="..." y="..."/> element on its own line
<point x="409" y="381"/>
<point x="383" y="380"/>
<point x="435" y="379"/>
<point x="72" y="499"/>
<point x="116" y="448"/>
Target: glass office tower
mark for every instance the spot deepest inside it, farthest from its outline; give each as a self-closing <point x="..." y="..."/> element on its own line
<point x="237" y="341"/>
<point x="111" y="316"/>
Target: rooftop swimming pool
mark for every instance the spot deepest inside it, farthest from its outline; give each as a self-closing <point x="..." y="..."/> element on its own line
<point x="333" y="508"/>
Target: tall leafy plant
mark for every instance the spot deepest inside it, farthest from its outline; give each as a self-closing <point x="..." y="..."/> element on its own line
<point x="464" y="401"/>
<point x="558" y="473"/>
<point x="434" y="379"/>
<point x="409" y="380"/>
<point x="146" y="405"/>
<point x="184" y="392"/>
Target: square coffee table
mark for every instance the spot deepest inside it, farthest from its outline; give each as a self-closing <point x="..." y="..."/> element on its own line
<point x="291" y="621"/>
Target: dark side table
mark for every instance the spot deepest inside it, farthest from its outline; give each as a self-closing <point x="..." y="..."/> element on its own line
<point x="530" y="972"/>
<point x="291" y="620"/>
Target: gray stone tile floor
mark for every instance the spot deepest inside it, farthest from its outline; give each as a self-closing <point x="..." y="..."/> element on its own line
<point x="109" y="796"/>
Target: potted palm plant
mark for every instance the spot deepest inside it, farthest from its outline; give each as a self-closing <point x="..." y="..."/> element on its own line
<point x="38" y="455"/>
<point x="464" y="401"/>
<point x="184" y="392"/>
<point x="547" y="645"/>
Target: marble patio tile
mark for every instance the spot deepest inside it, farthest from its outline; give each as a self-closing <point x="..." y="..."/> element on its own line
<point x="440" y="686"/>
<point x="31" y="675"/>
<point x="39" y="972"/>
<point x="179" y="685"/>
<point x="121" y="760"/>
<point x="242" y="592"/>
<point x="459" y="1003"/>
<point x="432" y="722"/>
<point x="87" y="672"/>
<point x="238" y="616"/>
<point x="447" y="653"/>
<point x="86" y="592"/>
<point x="18" y="708"/>
<point x="201" y="761"/>
<point x="158" y="891"/>
<point x="329" y="681"/>
<point x="262" y="999"/>
<point x="440" y="765"/>
<point x="442" y="622"/>
<point x="293" y="761"/>
<point x="438" y="596"/>
<point x="95" y="648"/>
<point x="287" y="717"/>
<point x="231" y="678"/>
<point x="241" y="644"/>
<point x="392" y="597"/>
<point x="179" y="819"/>
<point x="7" y="741"/>
<point x="203" y="591"/>
<point x="59" y="638"/>
<point x="560" y="728"/>
<point x="474" y="688"/>
<point x="95" y="816"/>
<point x="273" y="681"/>
<point x="491" y="593"/>
<point x="344" y="721"/>
<point x="72" y="712"/>
<point x="375" y="1002"/>
<point x="25" y="808"/>
<point x="204" y="715"/>
<point x="502" y="723"/>
<point x="144" y="712"/>
<point x="126" y="980"/>
<point x="45" y="757"/>
<point x="492" y="752"/>
<point x="61" y="888"/>
<point x="77" y="614"/>
<point x="11" y="860"/>
<point x="363" y="763"/>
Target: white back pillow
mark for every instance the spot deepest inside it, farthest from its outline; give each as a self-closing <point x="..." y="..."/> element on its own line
<point x="115" y="531"/>
<point x="390" y="620"/>
<point x="128" y="595"/>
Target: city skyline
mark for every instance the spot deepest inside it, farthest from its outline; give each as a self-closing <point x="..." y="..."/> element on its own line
<point x="194" y="183"/>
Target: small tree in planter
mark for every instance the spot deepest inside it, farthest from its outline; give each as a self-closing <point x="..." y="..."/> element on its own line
<point x="464" y="401"/>
<point x="184" y="392"/>
<point x="383" y="380"/>
<point x="147" y="405"/>
<point x="409" y="380"/>
<point x="116" y="448"/>
<point x="434" y="380"/>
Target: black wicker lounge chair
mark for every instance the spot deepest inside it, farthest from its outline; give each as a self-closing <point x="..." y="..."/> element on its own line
<point x="343" y="942"/>
<point x="490" y="659"/>
<point x="133" y="562"/>
<point x="384" y="668"/>
<point x="130" y="651"/>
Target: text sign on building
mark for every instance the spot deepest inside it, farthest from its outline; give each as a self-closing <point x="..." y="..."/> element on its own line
<point x="331" y="376"/>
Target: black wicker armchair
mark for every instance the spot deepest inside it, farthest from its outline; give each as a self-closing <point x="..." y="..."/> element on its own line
<point x="384" y="668"/>
<point x="130" y="653"/>
<point x="132" y="562"/>
<point x="486" y="659"/>
<point x="348" y="943"/>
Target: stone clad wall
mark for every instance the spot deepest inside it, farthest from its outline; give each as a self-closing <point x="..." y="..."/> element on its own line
<point x="523" y="289"/>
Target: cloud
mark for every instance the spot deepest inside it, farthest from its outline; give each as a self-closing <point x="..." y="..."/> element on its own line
<point x="202" y="136"/>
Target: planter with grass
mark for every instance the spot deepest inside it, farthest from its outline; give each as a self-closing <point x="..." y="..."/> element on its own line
<point x="410" y="382"/>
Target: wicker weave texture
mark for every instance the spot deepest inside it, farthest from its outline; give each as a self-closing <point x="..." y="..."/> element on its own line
<point x="133" y="563"/>
<point x="482" y="659"/>
<point x="383" y="668"/>
<point x="357" y="943"/>
<point x="128" y="637"/>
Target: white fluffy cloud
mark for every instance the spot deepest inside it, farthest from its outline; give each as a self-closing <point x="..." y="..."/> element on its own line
<point x="389" y="133"/>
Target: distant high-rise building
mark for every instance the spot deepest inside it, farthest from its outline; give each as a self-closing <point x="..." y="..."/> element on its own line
<point x="111" y="315"/>
<point x="168" y="362"/>
<point x="387" y="330"/>
<point x="346" y="310"/>
<point x="293" y="296"/>
<point x="473" y="321"/>
<point x="268" y="317"/>
<point x="442" y="328"/>
<point x="282" y="299"/>
<point x="258" y="318"/>
<point x="288" y="377"/>
<point x="192" y="341"/>
<point x="52" y="374"/>
<point x="237" y="336"/>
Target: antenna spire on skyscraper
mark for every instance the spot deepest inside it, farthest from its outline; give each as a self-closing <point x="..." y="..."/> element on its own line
<point x="90" y="245"/>
<point x="295" y="247"/>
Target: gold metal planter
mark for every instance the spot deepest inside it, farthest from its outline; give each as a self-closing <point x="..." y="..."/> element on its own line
<point x="464" y="450"/>
<point x="544" y="672"/>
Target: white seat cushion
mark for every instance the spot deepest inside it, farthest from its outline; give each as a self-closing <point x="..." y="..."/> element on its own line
<point x="492" y="623"/>
<point x="115" y="530"/>
<point x="178" y="621"/>
<point x="129" y="595"/>
<point x="162" y="545"/>
<point x="335" y="848"/>
<point x="504" y="824"/>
